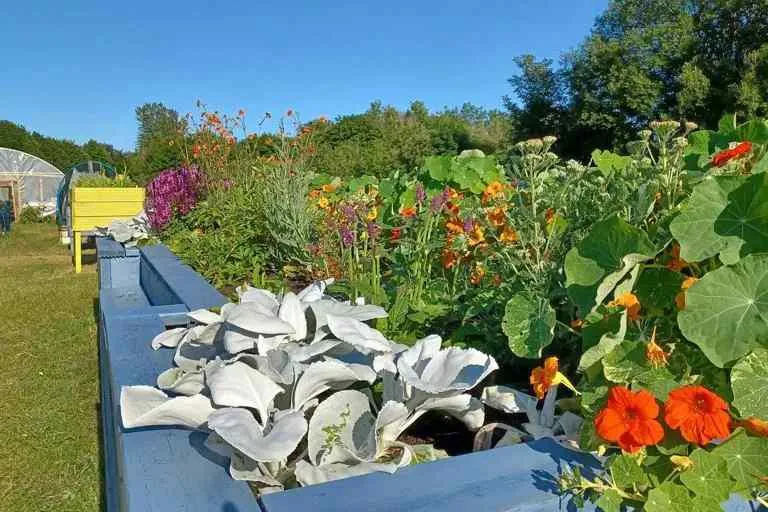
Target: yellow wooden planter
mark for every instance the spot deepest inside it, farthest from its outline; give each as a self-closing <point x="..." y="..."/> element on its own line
<point x="94" y="207"/>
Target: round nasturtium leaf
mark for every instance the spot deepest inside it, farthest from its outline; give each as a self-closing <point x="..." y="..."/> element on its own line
<point x="749" y="380"/>
<point x="529" y="323"/>
<point x="726" y="312"/>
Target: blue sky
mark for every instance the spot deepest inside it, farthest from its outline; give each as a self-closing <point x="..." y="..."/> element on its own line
<point x="78" y="69"/>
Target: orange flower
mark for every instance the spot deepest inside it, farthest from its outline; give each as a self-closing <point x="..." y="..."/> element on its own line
<point x="196" y="150"/>
<point x="629" y="419"/>
<point x="701" y="415"/>
<point x="408" y="212"/>
<point x="577" y="324"/>
<point x="508" y="236"/>
<point x="449" y="258"/>
<point x="676" y="263"/>
<point x="544" y="377"/>
<point x="330" y="187"/>
<point x="549" y="215"/>
<point x="477" y="274"/>
<point x="629" y="302"/>
<point x="657" y="196"/>
<point x="492" y="191"/>
<point x="680" y="297"/>
<point x="654" y="353"/>
<point x="454" y="225"/>
<point x="497" y="216"/>
<point x="395" y="234"/>
<point x="315" y="193"/>
<point x="755" y="426"/>
<point x="323" y="203"/>
<point x="476" y="236"/>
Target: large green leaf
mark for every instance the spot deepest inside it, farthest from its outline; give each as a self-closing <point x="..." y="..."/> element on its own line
<point x="439" y="167"/>
<point x="657" y="288"/>
<point x="609" y="163"/>
<point x="602" y="259"/>
<point x="726" y="312"/>
<point x="746" y="456"/>
<point x="694" y="228"/>
<point x="603" y="338"/>
<point x="627" y="473"/>
<point x="627" y="364"/>
<point x="669" y="497"/>
<point x="708" y="477"/>
<point x="749" y="380"/>
<point x="529" y="323"/>
<point x="755" y="131"/>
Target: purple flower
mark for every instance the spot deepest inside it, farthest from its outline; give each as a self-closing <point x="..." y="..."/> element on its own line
<point x="347" y="236"/>
<point x="373" y="230"/>
<point x="348" y="210"/>
<point x="170" y="192"/>
<point x="438" y="201"/>
<point x="469" y="225"/>
<point x="420" y="194"/>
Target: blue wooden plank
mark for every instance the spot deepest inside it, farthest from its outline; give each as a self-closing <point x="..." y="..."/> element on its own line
<point x="109" y="248"/>
<point x="520" y="477"/>
<point x="157" y="469"/>
<point x="189" y="286"/>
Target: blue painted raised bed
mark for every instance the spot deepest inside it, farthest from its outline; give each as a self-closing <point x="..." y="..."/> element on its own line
<point x="169" y="469"/>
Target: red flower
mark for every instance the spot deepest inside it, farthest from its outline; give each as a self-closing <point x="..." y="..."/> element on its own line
<point x="755" y="426"/>
<point x="395" y="234"/>
<point x="725" y="156"/>
<point x="700" y="414"/>
<point x="629" y="419"/>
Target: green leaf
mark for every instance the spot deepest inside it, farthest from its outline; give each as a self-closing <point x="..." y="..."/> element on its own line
<point x="727" y="124"/>
<point x="657" y="288"/>
<point x="658" y="381"/>
<point x="602" y="259"/>
<point x="749" y="380"/>
<point x="694" y="228"/>
<point x="746" y="456"/>
<point x="755" y="131"/>
<point x="609" y="501"/>
<point x="609" y="163"/>
<point x="726" y="310"/>
<point x="611" y="332"/>
<point x="625" y="362"/>
<point x="439" y="167"/>
<point x="708" y="477"/>
<point x="761" y="165"/>
<point x="387" y="188"/>
<point x="627" y="473"/>
<point x="529" y="323"/>
<point x="669" y="497"/>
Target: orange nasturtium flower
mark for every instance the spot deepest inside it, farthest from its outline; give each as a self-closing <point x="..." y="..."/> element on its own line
<point x="508" y="236"/>
<point x="725" y="156"/>
<point x="408" y="212"/>
<point x="654" y="353"/>
<point x="477" y="274"/>
<point x="330" y="187"/>
<point x="449" y="258"/>
<point x="700" y="414"/>
<point x="680" y="297"/>
<point x="755" y="426"/>
<point x="323" y="203"/>
<point x="629" y="302"/>
<point x="676" y="263"/>
<point x="549" y="216"/>
<point x="629" y="419"/>
<point x="498" y="216"/>
<point x="492" y="191"/>
<point x="476" y="236"/>
<point x="544" y="377"/>
<point x="454" y="226"/>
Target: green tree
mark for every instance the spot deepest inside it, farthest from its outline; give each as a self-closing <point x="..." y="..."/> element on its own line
<point x="539" y="103"/>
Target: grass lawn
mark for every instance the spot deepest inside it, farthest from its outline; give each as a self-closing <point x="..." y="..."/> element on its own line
<point x="49" y="440"/>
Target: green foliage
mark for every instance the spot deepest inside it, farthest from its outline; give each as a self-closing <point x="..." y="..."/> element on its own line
<point x="34" y="215"/>
<point x="749" y="379"/>
<point x="101" y="181"/>
<point x="529" y="323"/>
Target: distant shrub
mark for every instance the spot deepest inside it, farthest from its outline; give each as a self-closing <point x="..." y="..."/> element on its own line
<point x="34" y="215"/>
<point x="102" y="181"/>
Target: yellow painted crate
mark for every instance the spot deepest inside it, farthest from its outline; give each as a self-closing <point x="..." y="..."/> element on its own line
<point x="94" y="207"/>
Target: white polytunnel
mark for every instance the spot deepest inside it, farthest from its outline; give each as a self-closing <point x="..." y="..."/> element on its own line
<point x="36" y="180"/>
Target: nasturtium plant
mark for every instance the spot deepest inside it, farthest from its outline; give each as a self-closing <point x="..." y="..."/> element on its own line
<point x="599" y="262"/>
<point x="529" y="323"/>
<point x="749" y="379"/>
<point x="726" y="310"/>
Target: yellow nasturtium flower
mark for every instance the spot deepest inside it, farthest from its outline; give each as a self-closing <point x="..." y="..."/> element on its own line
<point x="323" y="203"/>
<point x="372" y="214"/>
<point x="548" y="375"/>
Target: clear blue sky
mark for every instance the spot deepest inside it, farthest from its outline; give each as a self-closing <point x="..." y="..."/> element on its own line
<point x="78" y="69"/>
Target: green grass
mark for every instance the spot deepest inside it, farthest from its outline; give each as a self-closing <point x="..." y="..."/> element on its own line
<point x="49" y="440"/>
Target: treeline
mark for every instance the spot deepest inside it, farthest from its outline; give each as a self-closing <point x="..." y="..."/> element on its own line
<point x="61" y="153"/>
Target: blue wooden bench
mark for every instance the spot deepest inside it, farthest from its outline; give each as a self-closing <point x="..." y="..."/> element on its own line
<point x="168" y="469"/>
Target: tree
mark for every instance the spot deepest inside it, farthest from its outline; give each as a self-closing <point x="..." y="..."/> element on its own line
<point x="539" y="105"/>
<point x="156" y="121"/>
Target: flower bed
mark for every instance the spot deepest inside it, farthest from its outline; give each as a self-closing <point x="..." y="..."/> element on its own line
<point x="639" y="274"/>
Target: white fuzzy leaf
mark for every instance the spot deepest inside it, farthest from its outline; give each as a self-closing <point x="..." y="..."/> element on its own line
<point x="341" y="430"/>
<point x="239" y="385"/>
<point x="236" y="341"/>
<point x="265" y="299"/>
<point x="465" y="408"/>
<point x="322" y="376"/>
<point x="307" y="474"/>
<point x="364" y="338"/>
<point x="249" y="317"/>
<point x="315" y="291"/>
<point x="292" y="312"/>
<point x="511" y="401"/>
<point x="180" y="382"/>
<point x="390" y="423"/>
<point x="144" y="406"/>
<point x="266" y="344"/>
<point x="239" y="428"/>
<point x="242" y="467"/>
<point x="448" y="371"/>
<point x="302" y="353"/>
<point x="169" y="338"/>
<point x="203" y="316"/>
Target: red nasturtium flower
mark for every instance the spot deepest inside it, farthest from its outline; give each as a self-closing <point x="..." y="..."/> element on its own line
<point x="629" y="302"/>
<point x="497" y="216"/>
<point x="395" y="234"/>
<point x="676" y="263"/>
<point x="408" y="212"/>
<point x="725" y="156"/>
<point x="701" y="415"/>
<point x="449" y="258"/>
<point x="544" y="377"/>
<point x="629" y="419"/>
<point x="477" y="274"/>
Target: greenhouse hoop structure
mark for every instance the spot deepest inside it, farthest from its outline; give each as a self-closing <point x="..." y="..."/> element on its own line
<point x="27" y="180"/>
